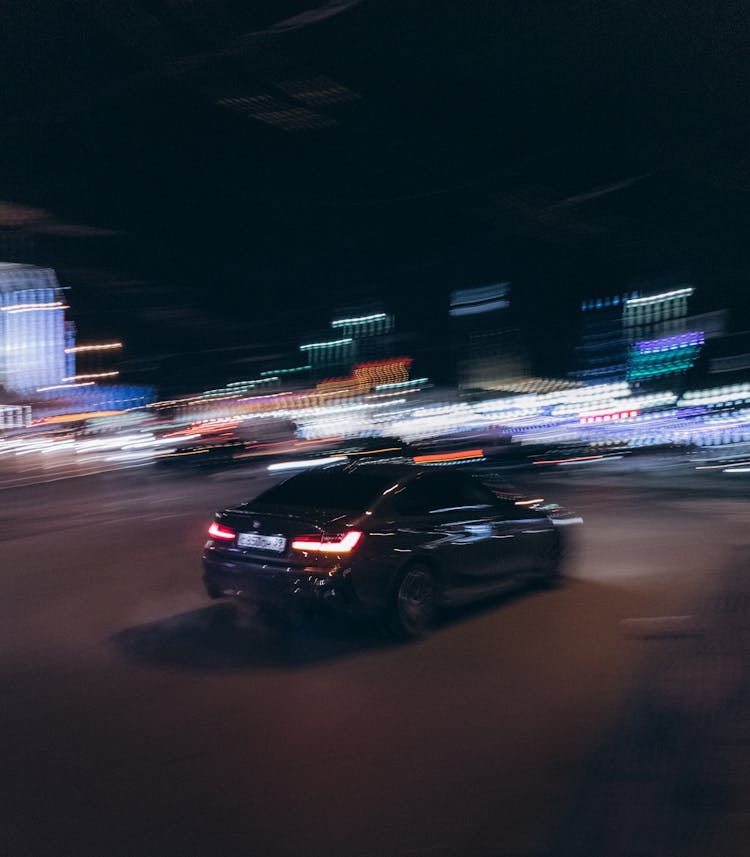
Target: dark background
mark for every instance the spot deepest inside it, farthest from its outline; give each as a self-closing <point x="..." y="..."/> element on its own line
<point x="212" y="178"/>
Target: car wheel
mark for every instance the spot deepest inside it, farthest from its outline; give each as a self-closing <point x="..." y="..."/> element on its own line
<point x="413" y="604"/>
<point x="550" y="573"/>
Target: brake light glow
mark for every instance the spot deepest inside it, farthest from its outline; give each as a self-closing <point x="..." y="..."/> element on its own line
<point x="340" y="543"/>
<point x="218" y="531"/>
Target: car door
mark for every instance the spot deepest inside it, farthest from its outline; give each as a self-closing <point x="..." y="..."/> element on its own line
<point x="497" y="531"/>
<point x="531" y="533"/>
<point x="454" y="519"/>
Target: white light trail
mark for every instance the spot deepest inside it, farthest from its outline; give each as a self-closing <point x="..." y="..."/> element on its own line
<point x="362" y="319"/>
<point x="302" y="464"/>
<point x="650" y="299"/>
<point x="105" y="346"/>
<point x="330" y="344"/>
<point x="87" y="376"/>
<point x="51" y="305"/>
<point x="65" y="386"/>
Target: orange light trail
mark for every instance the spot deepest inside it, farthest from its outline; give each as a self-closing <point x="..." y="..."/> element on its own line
<point x="69" y="418"/>
<point x="448" y="456"/>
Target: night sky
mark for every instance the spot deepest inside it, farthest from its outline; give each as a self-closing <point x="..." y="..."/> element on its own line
<point x="212" y="178"/>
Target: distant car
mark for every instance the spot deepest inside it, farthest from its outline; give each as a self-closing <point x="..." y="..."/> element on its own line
<point x="211" y="450"/>
<point x="394" y="542"/>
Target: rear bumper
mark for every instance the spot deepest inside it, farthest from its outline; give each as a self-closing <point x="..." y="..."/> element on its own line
<point x="280" y="588"/>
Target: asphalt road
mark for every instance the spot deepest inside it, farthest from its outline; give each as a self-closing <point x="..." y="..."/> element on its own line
<point x="138" y="718"/>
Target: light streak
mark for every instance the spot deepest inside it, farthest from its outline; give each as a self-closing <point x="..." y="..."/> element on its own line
<point x="300" y="465"/>
<point x="670" y="343"/>
<point x="374" y="451"/>
<point x="89" y="375"/>
<point x="65" y="386"/>
<point x="663" y="296"/>
<point x="51" y="305"/>
<point x="330" y="344"/>
<point x="570" y="460"/>
<point x="362" y="319"/>
<point x="448" y="456"/>
<point x="721" y="466"/>
<point x="105" y="346"/>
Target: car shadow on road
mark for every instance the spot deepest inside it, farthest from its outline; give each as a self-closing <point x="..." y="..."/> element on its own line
<point x="221" y="636"/>
<point x="451" y="616"/>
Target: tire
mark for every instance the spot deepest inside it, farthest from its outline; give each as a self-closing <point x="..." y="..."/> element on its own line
<point x="550" y="573"/>
<point x="412" y="606"/>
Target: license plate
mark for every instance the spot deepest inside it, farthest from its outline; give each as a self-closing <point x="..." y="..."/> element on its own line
<point x="266" y="543"/>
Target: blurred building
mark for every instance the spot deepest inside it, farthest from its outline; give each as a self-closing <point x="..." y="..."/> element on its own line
<point x="371" y="331"/>
<point x="360" y="340"/>
<point x="657" y="315"/>
<point x="668" y="344"/>
<point x="729" y="359"/>
<point x="485" y="339"/>
<point x="14" y="416"/>
<point x="329" y="355"/>
<point x="647" y="339"/>
<point x="601" y="356"/>
<point x="33" y="330"/>
<point x="356" y="335"/>
<point x="39" y="356"/>
<point x="89" y="398"/>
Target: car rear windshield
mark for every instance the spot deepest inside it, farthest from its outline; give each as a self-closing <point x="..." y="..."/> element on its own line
<point x="320" y="489"/>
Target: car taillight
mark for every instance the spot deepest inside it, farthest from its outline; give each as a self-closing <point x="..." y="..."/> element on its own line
<point x="327" y="543"/>
<point x="219" y="531"/>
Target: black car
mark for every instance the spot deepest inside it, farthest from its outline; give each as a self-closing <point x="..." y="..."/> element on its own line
<point x="391" y="541"/>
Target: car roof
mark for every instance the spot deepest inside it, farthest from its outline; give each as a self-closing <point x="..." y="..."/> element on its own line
<point x="395" y="470"/>
<point x="391" y="469"/>
<point x="398" y="470"/>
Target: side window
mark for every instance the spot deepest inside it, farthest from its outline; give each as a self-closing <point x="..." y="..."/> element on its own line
<point x="414" y="499"/>
<point x="471" y="492"/>
<point x="432" y="493"/>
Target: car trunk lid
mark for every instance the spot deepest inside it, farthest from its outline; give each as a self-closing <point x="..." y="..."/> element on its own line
<point x="268" y="535"/>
